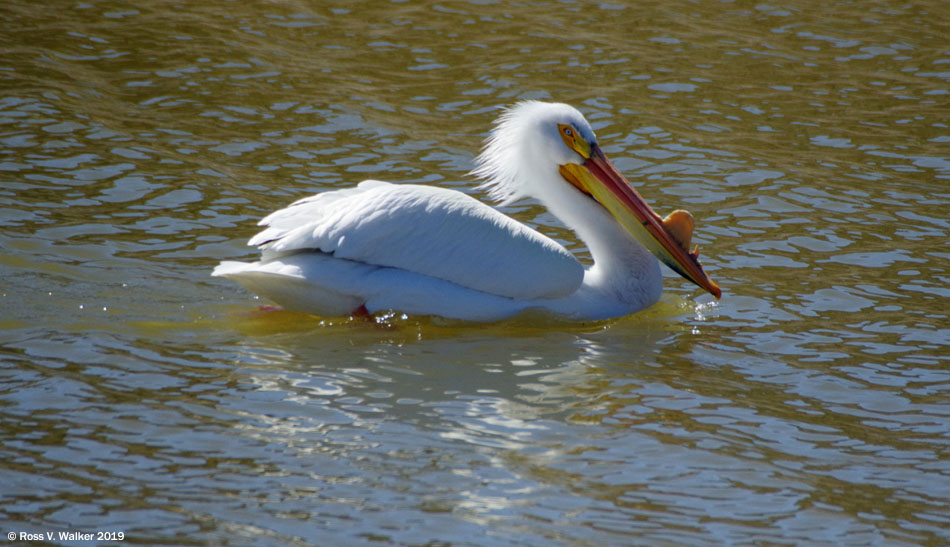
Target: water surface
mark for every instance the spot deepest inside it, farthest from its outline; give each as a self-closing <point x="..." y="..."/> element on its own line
<point x="139" y="145"/>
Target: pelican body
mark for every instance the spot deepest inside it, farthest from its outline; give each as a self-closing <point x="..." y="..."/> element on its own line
<point x="425" y="250"/>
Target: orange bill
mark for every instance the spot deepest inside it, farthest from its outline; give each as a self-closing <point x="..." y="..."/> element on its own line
<point x="598" y="177"/>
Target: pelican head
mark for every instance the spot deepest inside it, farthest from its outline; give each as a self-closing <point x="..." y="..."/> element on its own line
<point x="548" y="151"/>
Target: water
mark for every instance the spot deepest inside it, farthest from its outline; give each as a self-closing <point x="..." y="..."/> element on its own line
<point x="141" y="143"/>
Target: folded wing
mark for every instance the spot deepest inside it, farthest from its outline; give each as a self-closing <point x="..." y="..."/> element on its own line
<point x="426" y="230"/>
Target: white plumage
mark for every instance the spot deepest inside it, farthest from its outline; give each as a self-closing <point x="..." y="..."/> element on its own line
<point x="432" y="251"/>
<point x="425" y="230"/>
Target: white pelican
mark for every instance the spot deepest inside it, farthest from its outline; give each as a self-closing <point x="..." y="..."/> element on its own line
<point x="431" y="251"/>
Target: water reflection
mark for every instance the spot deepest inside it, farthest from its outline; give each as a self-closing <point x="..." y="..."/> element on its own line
<point x="564" y="419"/>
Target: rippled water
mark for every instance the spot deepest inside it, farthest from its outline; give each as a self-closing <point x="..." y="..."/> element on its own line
<point x="139" y="145"/>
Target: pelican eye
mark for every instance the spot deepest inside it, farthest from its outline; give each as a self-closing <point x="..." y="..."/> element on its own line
<point x="574" y="140"/>
<point x="568" y="133"/>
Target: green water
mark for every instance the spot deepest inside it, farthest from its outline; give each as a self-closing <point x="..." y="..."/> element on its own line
<point x="141" y="142"/>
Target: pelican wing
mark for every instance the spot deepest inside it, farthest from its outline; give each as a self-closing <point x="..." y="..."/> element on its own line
<point x="426" y="230"/>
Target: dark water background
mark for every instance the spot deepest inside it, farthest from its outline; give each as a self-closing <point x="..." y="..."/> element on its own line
<point x="141" y="142"/>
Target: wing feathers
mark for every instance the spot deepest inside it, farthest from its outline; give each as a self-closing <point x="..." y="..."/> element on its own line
<point x="427" y="230"/>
